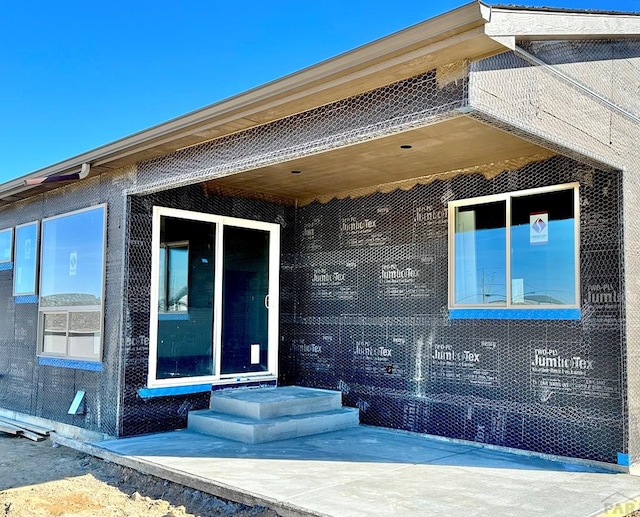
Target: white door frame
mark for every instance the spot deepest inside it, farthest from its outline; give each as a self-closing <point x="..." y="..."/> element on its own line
<point x="273" y="293"/>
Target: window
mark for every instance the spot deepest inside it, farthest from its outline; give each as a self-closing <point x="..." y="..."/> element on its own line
<point x="26" y="260"/>
<point x="6" y="245"/>
<point x="72" y="284"/>
<point x="515" y="250"/>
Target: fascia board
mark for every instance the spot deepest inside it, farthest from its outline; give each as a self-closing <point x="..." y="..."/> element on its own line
<point x="537" y="24"/>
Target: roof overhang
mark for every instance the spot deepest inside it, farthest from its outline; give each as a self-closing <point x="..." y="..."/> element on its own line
<point x="453" y="146"/>
<point x="472" y="31"/>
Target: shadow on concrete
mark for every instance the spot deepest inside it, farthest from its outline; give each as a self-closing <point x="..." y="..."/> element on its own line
<point x="359" y="445"/>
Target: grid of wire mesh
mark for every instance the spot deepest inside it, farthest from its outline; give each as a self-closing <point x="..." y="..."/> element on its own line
<point x="372" y="321"/>
<point x="364" y="310"/>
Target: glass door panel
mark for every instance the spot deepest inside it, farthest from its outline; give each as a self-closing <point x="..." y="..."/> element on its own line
<point x="245" y="289"/>
<point x="185" y="298"/>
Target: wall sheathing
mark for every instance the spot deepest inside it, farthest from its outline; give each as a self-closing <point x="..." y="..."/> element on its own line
<point x="364" y="310"/>
<point x="47" y="391"/>
<point x="581" y="97"/>
<point x="372" y="321"/>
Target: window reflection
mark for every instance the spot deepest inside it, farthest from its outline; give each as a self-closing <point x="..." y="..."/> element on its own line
<point x="173" y="284"/>
<point x="543" y="249"/>
<point x="71" y="284"/>
<point x="480" y="261"/>
<point x="73" y="259"/>
<point x="6" y="245"/>
<point x="185" y="298"/>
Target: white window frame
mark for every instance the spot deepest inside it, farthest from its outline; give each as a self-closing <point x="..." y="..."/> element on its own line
<point x="68" y="309"/>
<point x="274" y="309"/>
<point x="507" y="197"/>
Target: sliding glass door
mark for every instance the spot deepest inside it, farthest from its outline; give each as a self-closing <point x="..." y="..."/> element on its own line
<point x="214" y="299"/>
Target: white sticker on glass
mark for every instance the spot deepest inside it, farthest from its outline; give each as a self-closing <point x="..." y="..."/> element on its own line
<point x="539" y="228"/>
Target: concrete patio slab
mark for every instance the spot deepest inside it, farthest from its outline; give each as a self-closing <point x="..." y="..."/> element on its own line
<point x="371" y="471"/>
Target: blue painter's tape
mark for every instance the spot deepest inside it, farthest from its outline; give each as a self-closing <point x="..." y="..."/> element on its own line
<point x="173" y="316"/>
<point x="624" y="459"/>
<point x="6" y="266"/>
<point x="25" y="299"/>
<point x="147" y="393"/>
<point x="514" y="314"/>
<point x="70" y="363"/>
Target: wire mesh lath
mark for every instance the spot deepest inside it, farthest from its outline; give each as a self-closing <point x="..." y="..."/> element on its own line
<point x="364" y="280"/>
<point x="364" y="311"/>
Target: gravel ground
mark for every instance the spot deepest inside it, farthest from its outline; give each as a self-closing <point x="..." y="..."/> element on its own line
<point x="39" y="479"/>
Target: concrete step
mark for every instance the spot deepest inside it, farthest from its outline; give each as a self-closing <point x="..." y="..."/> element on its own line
<point x="249" y="430"/>
<point x="265" y="403"/>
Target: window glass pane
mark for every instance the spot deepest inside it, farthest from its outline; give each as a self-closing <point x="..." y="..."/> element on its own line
<point x="543" y="249"/>
<point x="185" y="298"/>
<point x="6" y="245"/>
<point x="480" y="254"/>
<point x="26" y="260"/>
<point x="73" y="259"/>
<point x="55" y="334"/>
<point x="84" y="335"/>
<point x="244" y="308"/>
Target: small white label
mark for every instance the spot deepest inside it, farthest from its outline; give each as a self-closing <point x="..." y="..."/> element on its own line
<point x="255" y="353"/>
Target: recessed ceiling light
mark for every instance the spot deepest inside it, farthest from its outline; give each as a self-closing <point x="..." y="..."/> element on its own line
<point x="296" y="172"/>
<point x="406" y="146"/>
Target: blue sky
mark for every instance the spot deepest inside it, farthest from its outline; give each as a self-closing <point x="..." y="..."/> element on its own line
<point x="76" y="75"/>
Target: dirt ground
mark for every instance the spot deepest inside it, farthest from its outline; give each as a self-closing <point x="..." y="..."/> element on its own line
<point x="41" y="480"/>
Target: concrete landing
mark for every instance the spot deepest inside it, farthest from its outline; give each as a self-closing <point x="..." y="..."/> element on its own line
<point x="263" y="403"/>
<point x="263" y="415"/>
<point x="369" y="471"/>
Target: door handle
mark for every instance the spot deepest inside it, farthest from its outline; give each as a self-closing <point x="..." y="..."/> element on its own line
<point x="266" y="301"/>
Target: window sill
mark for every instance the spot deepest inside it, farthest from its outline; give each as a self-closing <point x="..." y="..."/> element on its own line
<point x="61" y="362"/>
<point x="168" y="391"/>
<point x="514" y="314"/>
